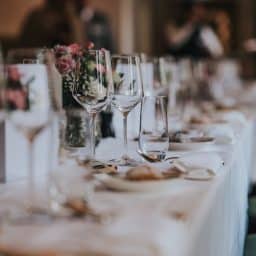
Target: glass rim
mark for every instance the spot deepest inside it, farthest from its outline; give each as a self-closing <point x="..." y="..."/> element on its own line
<point x="98" y="51"/>
<point x="28" y="50"/>
<point x="19" y="52"/>
<point x="124" y="56"/>
<point x="155" y="96"/>
<point x="155" y="59"/>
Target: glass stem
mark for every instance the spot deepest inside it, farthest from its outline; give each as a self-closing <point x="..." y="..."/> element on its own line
<point x="125" y="134"/>
<point x="92" y="135"/>
<point x="31" y="176"/>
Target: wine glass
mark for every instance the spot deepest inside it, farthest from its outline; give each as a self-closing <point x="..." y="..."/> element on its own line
<point x="153" y="137"/>
<point x="127" y="93"/>
<point x="30" y="102"/>
<point x="92" y="86"/>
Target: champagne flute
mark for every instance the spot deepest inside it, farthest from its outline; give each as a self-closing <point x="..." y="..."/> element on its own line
<point x="30" y="102"/>
<point x="92" y="86"/>
<point x="153" y="136"/>
<point x="127" y="93"/>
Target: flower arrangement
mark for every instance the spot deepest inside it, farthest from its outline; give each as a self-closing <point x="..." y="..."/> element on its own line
<point x="78" y="68"/>
<point x="66" y="57"/>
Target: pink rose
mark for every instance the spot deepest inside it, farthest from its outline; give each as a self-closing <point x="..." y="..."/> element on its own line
<point x="90" y="45"/>
<point x="74" y="49"/>
<point x="65" y="64"/>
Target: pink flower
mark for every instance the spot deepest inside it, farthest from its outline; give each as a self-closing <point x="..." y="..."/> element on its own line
<point x="74" y="49"/>
<point x="90" y="45"/>
<point x="65" y="64"/>
<point x="13" y="73"/>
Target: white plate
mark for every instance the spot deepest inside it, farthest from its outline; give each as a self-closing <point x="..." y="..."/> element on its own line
<point x="135" y="186"/>
<point x="190" y="145"/>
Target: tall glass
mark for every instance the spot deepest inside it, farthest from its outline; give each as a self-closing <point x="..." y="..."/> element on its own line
<point x="187" y="89"/>
<point x="127" y="93"/>
<point x="153" y="137"/>
<point x="30" y="102"/>
<point x="154" y="76"/>
<point x="92" y="86"/>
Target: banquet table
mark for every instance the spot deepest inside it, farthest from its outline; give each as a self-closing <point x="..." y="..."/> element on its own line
<point x="192" y="218"/>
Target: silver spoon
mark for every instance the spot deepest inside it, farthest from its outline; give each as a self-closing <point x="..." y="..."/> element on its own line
<point x="154" y="159"/>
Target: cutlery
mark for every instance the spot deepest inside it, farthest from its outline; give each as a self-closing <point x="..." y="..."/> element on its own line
<point x="154" y="159"/>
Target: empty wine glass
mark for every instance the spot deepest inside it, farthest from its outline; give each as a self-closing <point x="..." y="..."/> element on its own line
<point x="127" y="93"/>
<point x="153" y="137"/>
<point x="30" y="101"/>
<point x="92" y="86"/>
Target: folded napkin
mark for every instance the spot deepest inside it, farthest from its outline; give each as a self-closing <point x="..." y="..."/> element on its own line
<point x="232" y="116"/>
<point x="200" y="160"/>
<point x="203" y="161"/>
<point x="223" y="133"/>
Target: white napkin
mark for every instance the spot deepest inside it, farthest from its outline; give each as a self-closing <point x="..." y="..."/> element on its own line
<point x="232" y="117"/>
<point x="201" y="160"/>
<point x="223" y="133"/>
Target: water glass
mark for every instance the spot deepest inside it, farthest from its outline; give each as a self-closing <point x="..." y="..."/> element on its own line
<point x="153" y="137"/>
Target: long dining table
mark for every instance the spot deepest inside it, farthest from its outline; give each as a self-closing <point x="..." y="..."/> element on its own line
<point x="192" y="218"/>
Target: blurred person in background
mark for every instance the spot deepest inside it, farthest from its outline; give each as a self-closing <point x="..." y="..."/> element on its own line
<point x="66" y="22"/>
<point x="49" y="25"/>
<point x="96" y="26"/>
<point x="195" y="38"/>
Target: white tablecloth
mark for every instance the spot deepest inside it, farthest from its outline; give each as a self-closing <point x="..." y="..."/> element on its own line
<point x="194" y="218"/>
